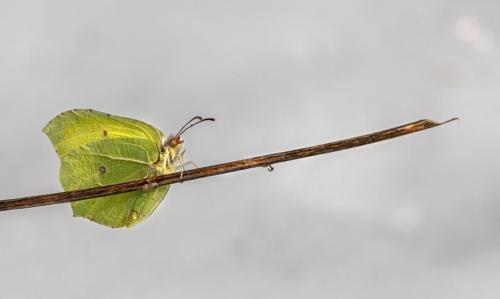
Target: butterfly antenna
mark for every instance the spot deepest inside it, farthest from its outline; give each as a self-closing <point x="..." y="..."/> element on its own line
<point x="187" y="123"/>
<point x="190" y="124"/>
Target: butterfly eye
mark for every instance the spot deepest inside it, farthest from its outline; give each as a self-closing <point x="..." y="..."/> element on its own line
<point x="175" y="141"/>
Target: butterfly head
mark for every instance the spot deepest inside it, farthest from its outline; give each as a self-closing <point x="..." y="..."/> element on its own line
<point x="173" y="141"/>
<point x="173" y="145"/>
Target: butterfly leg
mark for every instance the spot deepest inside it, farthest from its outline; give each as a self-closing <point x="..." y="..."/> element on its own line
<point x="191" y="163"/>
<point x="181" y="161"/>
<point x="183" y="164"/>
<point x="178" y="157"/>
<point x="150" y="173"/>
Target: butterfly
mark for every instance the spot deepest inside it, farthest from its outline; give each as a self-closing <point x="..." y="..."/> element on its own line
<point x="98" y="149"/>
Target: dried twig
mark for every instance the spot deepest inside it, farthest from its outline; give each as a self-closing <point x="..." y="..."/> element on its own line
<point x="261" y="161"/>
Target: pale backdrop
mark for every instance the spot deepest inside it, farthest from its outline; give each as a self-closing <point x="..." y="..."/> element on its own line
<point x="415" y="217"/>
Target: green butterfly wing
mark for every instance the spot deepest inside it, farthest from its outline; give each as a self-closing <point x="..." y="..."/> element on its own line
<point x="78" y="127"/>
<point x="98" y="149"/>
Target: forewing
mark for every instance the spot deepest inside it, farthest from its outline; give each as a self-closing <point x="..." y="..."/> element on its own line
<point x="109" y="162"/>
<point x="75" y="128"/>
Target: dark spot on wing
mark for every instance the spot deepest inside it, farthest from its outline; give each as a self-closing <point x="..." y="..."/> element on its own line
<point x="102" y="169"/>
<point x="105" y="133"/>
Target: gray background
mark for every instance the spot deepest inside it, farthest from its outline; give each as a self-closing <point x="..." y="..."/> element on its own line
<point x="415" y="217"/>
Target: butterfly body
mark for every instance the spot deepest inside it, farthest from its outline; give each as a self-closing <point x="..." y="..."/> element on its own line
<point x="98" y="149"/>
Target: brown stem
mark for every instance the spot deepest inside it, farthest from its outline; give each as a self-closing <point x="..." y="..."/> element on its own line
<point x="260" y="161"/>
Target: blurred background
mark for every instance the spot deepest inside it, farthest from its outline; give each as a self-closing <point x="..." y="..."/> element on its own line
<point x="413" y="217"/>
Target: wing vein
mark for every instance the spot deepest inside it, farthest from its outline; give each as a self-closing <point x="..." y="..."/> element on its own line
<point x="116" y="158"/>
